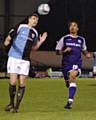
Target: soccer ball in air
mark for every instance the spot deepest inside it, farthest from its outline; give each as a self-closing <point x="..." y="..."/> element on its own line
<point x="43" y="9"/>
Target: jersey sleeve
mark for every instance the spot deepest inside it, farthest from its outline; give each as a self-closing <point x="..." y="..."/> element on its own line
<point x="35" y="41"/>
<point x="36" y="37"/>
<point x="84" y="47"/>
<point x="94" y="54"/>
<point x="60" y="44"/>
<point x="13" y="32"/>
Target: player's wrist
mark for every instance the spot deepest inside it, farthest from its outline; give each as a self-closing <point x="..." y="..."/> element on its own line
<point x="62" y="52"/>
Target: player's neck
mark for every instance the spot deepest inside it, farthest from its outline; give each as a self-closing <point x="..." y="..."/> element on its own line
<point x="74" y="34"/>
<point x="30" y="25"/>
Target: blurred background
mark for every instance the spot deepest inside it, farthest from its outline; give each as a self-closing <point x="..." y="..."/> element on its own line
<point x="13" y="12"/>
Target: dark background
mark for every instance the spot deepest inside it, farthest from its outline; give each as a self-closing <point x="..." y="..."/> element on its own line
<point x="62" y="11"/>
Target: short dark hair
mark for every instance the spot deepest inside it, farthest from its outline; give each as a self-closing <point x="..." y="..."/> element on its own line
<point x="34" y="14"/>
<point x="73" y="21"/>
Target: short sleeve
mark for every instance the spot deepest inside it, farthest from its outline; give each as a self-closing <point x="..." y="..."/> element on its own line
<point x="60" y="44"/>
<point x="84" y="47"/>
<point x="13" y="32"/>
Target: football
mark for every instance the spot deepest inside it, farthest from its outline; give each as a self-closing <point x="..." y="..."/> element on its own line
<point x="43" y="9"/>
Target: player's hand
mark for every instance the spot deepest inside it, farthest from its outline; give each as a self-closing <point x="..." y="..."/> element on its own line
<point x="88" y="55"/>
<point x="68" y="49"/>
<point x="43" y="36"/>
<point x="6" y="43"/>
<point x="7" y="40"/>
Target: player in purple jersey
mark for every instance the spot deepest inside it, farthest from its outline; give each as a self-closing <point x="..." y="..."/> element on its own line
<point x="94" y="64"/>
<point x="71" y="46"/>
<point x="25" y="37"/>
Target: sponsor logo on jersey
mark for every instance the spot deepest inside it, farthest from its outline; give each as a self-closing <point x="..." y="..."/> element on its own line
<point x="79" y="41"/>
<point x="69" y="39"/>
<point x="33" y="35"/>
<point x="73" y="44"/>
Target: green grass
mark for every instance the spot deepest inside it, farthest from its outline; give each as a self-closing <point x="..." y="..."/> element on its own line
<point x="44" y="100"/>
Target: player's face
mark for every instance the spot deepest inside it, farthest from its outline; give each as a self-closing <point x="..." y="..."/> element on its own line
<point x="33" y="21"/>
<point x="73" y="28"/>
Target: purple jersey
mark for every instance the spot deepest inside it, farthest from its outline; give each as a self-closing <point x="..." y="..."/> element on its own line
<point x="94" y="55"/>
<point x="77" y="44"/>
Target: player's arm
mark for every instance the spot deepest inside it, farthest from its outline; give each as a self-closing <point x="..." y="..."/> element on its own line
<point x="7" y="40"/>
<point x="12" y="33"/>
<point x="39" y="42"/>
<point x="61" y="52"/>
<point x="94" y="54"/>
<point x="84" y="50"/>
<point x="86" y="54"/>
<point x="60" y="46"/>
<point x="9" y="37"/>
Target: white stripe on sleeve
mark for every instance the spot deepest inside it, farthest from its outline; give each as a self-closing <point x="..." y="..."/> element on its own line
<point x="84" y="47"/>
<point x="60" y="44"/>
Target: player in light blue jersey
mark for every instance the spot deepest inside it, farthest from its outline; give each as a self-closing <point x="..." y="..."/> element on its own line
<point x="71" y="46"/>
<point x="25" y="39"/>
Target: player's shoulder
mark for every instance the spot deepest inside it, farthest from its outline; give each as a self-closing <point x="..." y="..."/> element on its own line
<point x="34" y="30"/>
<point x="81" y="37"/>
<point x="65" y="37"/>
<point x="69" y="36"/>
<point x="22" y="25"/>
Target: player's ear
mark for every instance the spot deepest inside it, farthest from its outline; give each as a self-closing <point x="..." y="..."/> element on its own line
<point x="77" y="28"/>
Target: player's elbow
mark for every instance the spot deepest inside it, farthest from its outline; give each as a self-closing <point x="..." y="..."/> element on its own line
<point x="58" y="52"/>
<point x="34" y="48"/>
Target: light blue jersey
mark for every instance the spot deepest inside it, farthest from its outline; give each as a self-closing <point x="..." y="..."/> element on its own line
<point x="22" y="44"/>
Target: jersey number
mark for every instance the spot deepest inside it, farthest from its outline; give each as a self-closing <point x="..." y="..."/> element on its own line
<point x="75" y="67"/>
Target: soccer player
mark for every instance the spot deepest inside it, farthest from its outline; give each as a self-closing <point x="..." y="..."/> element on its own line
<point x="94" y="64"/>
<point x="25" y="39"/>
<point x="71" y="46"/>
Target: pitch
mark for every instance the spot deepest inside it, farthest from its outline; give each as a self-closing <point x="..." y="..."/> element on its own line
<point x="45" y="100"/>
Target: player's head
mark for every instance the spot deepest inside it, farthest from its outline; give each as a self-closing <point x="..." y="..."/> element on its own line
<point x="73" y="27"/>
<point x="33" y="19"/>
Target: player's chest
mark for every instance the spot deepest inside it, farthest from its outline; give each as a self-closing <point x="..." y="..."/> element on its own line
<point x="28" y="34"/>
<point x="73" y="43"/>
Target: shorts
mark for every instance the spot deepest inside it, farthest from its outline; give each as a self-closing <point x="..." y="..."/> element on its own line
<point x="67" y="69"/>
<point x="18" y="66"/>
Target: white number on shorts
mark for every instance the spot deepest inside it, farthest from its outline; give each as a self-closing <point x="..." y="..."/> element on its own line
<point x="75" y="67"/>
